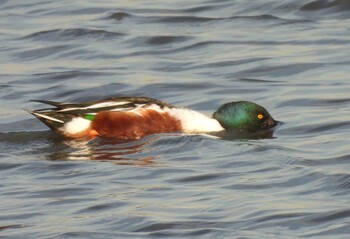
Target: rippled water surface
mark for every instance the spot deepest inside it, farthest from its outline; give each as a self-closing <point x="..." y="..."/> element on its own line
<point x="293" y="57"/>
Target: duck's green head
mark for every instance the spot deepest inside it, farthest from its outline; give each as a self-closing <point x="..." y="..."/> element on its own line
<point x="244" y="116"/>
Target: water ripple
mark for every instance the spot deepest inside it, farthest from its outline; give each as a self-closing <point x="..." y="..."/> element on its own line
<point x="72" y="34"/>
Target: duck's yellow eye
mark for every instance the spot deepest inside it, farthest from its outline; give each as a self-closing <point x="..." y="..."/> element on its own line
<point x="260" y="116"/>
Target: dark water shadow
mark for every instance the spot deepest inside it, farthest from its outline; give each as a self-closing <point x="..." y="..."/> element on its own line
<point x="14" y="226"/>
<point x="72" y="34"/>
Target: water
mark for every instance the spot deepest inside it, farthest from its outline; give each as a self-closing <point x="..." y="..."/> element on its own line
<point x="290" y="56"/>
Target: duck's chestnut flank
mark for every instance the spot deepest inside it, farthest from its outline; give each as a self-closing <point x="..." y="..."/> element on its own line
<point x="129" y="125"/>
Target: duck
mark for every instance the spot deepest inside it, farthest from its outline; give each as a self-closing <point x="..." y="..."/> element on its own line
<point x="135" y="117"/>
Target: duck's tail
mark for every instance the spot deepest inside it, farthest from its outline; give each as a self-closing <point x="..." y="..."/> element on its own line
<point x="53" y="120"/>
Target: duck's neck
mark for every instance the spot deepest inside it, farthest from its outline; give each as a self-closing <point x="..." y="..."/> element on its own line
<point x="193" y="121"/>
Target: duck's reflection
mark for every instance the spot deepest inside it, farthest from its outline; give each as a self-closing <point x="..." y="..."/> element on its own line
<point x="132" y="152"/>
<point x="121" y="152"/>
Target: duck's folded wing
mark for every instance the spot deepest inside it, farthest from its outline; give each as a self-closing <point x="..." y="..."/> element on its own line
<point x="111" y="104"/>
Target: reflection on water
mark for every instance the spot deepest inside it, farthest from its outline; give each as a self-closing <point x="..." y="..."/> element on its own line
<point x="127" y="152"/>
<point x="120" y="152"/>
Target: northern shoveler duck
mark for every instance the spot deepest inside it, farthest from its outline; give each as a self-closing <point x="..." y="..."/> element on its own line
<point x="135" y="117"/>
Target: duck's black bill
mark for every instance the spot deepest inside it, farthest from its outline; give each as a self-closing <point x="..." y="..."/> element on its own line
<point x="269" y="123"/>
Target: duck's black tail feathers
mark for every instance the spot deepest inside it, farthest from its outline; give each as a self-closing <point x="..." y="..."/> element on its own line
<point x="53" y="120"/>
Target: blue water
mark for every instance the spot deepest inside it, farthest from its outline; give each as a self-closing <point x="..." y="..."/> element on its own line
<point x="292" y="57"/>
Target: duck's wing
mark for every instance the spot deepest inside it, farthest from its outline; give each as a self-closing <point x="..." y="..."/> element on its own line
<point x="62" y="113"/>
<point x="110" y="104"/>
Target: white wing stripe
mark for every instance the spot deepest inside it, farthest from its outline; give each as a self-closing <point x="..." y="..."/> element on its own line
<point x="106" y="104"/>
<point x="96" y="106"/>
<point x="48" y="117"/>
<point x="122" y="109"/>
<point x="69" y="109"/>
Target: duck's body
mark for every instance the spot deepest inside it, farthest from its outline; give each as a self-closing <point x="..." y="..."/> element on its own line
<point x="131" y="118"/>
